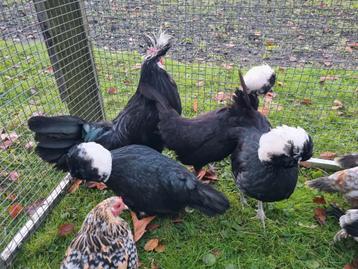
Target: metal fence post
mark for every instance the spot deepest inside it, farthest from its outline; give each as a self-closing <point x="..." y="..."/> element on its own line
<point x="63" y="27"/>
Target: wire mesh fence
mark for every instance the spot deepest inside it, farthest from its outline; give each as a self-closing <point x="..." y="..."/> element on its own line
<point x="60" y="57"/>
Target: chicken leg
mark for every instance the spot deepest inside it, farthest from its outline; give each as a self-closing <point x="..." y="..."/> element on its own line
<point x="261" y="213"/>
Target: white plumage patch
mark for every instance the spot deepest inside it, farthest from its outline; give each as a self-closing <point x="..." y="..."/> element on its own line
<point x="276" y="142"/>
<point x="350" y="217"/>
<point x="258" y="76"/>
<point x="100" y="158"/>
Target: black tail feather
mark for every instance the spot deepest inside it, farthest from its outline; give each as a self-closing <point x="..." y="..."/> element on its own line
<point x="210" y="201"/>
<point x="348" y="161"/>
<point x="58" y="124"/>
<point x="335" y="211"/>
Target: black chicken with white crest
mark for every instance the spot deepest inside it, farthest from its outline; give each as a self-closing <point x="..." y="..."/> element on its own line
<point x="265" y="161"/>
<point x="135" y="124"/>
<point x="348" y="222"/>
<point x="104" y="241"/>
<point x="211" y="136"/>
<point x="149" y="182"/>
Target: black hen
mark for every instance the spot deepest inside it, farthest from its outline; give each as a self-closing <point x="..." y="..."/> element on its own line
<point x="348" y="222"/>
<point x="212" y="136"/>
<point x="135" y="124"/>
<point x="265" y="162"/>
<point x="149" y="182"/>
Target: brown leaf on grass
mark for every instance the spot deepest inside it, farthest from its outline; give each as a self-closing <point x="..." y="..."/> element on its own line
<point x="195" y="105"/>
<point x="323" y="79"/>
<point x="152" y="226"/>
<point x="154" y="265"/>
<point x="65" y="229"/>
<point x="222" y="97"/>
<point x="328" y="155"/>
<point x="15" y="209"/>
<point x="13" y="176"/>
<point x="151" y="244"/>
<point x="75" y="185"/>
<point x="320" y="215"/>
<point x="32" y="208"/>
<point x="136" y="67"/>
<point x="177" y="221"/>
<point x="319" y="200"/>
<point x="305" y="101"/>
<point x="227" y="66"/>
<point x="160" y="248"/>
<point x="353" y="45"/>
<point x="6" y="139"/>
<point x="305" y="164"/>
<point x="139" y="226"/>
<point x="207" y="175"/>
<point x="352" y="265"/>
<point x="112" y="90"/>
<point x="95" y="185"/>
<point x="337" y="105"/>
<point x="29" y="145"/>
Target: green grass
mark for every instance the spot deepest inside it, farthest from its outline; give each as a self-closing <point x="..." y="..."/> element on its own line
<point x="292" y="239"/>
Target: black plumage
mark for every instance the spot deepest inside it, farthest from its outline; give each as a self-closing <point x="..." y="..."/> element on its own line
<point x="149" y="182"/>
<point x="135" y="124"/>
<point x="348" y="221"/>
<point x="211" y="136"/>
<point x="265" y="161"/>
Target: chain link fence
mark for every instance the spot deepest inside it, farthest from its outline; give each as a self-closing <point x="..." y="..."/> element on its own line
<point x="83" y="58"/>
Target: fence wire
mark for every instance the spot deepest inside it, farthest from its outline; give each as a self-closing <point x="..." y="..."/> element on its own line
<point x="48" y="66"/>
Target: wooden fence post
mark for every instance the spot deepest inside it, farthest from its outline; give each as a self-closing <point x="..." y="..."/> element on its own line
<point x="63" y="26"/>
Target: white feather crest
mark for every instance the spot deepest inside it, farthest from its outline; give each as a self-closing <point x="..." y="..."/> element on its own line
<point x="276" y="141"/>
<point x="100" y="158"/>
<point x="160" y="39"/>
<point x="258" y="76"/>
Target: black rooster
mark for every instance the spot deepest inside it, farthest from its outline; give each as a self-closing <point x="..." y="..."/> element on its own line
<point x="348" y="222"/>
<point x="212" y="136"/>
<point x="265" y="161"/>
<point x="135" y="124"/>
<point x="149" y="183"/>
<point x="104" y="241"/>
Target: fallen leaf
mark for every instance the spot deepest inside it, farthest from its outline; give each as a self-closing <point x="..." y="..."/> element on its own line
<point x="112" y="90"/>
<point x="151" y="244"/>
<point x="305" y="164"/>
<point x="264" y="110"/>
<point x="15" y="210"/>
<point x="323" y="79"/>
<point x="32" y="208"/>
<point x="328" y="155"/>
<point x="127" y="82"/>
<point x="280" y="83"/>
<point x="177" y="221"/>
<point x="327" y="63"/>
<point x="227" y="66"/>
<point x="154" y="265"/>
<point x="257" y="33"/>
<point x="209" y="259"/>
<point x="7" y="139"/>
<point x="337" y="105"/>
<point x="320" y="215"/>
<point x="353" y="45"/>
<point x="319" y="200"/>
<point x="305" y="101"/>
<point x="222" y="97"/>
<point x="152" y="226"/>
<point x="352" y="265"/>
<point x="200" y="83"/>
<point x="65" y="229"/>
<point x="109" y="77"/>
<point x="75" y="185"/>
<point x="293" y="59"/>
<point x="14" y="176"/>
<point x="136" y="66"/>
<point x="269" y="42"/>
<point x="49" y="70"/>
<point x="29" y="145"/>
<point x="195" y="105"/>
<point x="95" y="185"/>
<point x="140" y="225"/>
<point x="160" y="248"/>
